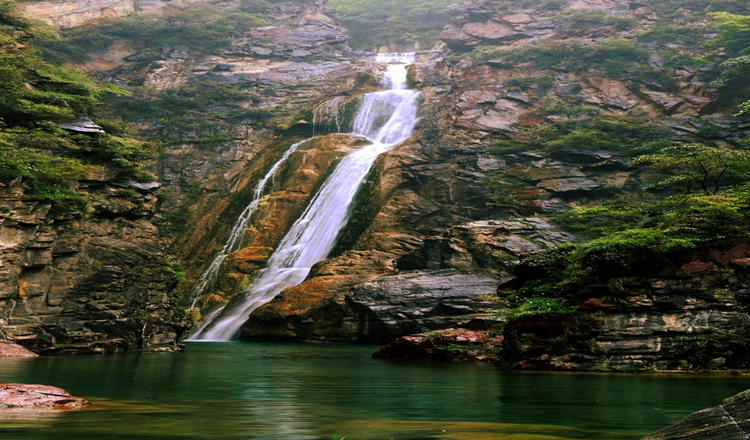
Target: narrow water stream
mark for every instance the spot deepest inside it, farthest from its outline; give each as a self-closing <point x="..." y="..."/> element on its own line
<point x="236" y="391"/>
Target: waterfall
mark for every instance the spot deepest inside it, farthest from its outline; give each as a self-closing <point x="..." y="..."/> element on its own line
<point x="386" y="118"/>
<point x="328" y="109"/>
<point x="207" y="280"/>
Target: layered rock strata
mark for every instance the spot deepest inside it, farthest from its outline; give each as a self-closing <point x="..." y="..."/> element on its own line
<point x="728" y="421"/>
<point x="94" y="282"/>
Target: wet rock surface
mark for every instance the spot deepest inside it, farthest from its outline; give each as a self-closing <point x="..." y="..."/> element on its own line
<point x="14" y="395"/>
<point x="728" y="421"/>
<point x="417" y="302"/>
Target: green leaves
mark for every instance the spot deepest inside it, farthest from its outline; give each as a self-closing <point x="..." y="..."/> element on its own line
<point x="698" y="167"/>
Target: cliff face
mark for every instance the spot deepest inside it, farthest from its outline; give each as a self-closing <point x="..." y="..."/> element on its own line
<point x="66" y="14"/>
<point x="444" y="218"/>
<point x="93" y="282"/>
<point x="435" y="233"/>
<point x="105" y="280"/>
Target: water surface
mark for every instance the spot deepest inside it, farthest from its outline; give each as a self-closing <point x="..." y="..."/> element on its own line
<point x="297" y="391"/>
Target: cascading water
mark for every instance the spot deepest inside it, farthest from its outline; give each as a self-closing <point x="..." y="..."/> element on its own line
<point x="207" y="279"/>
<point x="386" y="118"/>
<point x="328" y="109"/>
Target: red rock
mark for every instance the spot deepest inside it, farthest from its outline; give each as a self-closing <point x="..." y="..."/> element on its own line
<point x="15" y="350"/>
<point x="17" y="395"/>
<point x="695" y="267"/>
<point x="743" y="262"/>
<point x="591" y="304"/>
<point x="470" y="336"/>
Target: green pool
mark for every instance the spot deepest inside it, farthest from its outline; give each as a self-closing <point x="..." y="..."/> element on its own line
<point x="301" y="391"/>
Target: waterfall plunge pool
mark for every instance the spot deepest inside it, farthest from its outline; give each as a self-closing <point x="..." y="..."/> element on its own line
<point x="320" y="392"/>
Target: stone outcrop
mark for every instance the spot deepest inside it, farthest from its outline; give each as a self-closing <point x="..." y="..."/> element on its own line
<point x="15" y="350"/>
<point x="690" y="316"/>
<point x="728" y="421"/>
<point x="417" y="302"/>
<point x="15" y="395"/>
<point x="96" y="282"/>
<point x="460" y="344"/>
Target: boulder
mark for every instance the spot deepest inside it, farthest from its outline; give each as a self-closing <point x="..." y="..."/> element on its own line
<point x="728" y="421"/>
<point x="451" y="344"/>
<point x="418" y="302"/>
<point x="15" y="395"/>
<point x="15" y="350"/>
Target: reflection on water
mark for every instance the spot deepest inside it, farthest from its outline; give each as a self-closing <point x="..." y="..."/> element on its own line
<point x="296" y="391"/>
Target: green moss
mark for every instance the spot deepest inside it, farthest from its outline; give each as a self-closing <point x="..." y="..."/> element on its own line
<point x="540" y="307"/>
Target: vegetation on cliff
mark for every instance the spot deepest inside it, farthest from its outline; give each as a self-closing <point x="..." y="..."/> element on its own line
<point x="37" y="154"/>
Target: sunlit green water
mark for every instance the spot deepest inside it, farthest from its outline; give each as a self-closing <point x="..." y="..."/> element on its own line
<point x="295" y="391"/>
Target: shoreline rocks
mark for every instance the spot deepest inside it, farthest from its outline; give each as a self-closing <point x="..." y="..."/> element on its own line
<point x="728" y="421"/>
<point x="15" y="350"/>
<point x="16" y="395"/>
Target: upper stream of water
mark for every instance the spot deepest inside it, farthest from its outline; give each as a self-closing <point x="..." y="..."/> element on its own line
<point x="234" y="391"/>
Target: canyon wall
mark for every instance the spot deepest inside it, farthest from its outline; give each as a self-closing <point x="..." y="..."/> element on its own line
<point x="445" y="218"/>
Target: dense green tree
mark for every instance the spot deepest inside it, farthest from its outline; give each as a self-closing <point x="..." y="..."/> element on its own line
<point x="699" y="168"/>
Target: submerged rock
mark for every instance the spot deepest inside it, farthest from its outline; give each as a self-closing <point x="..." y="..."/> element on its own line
<point x="16" y="395"/>
<point x="728" y="421"/>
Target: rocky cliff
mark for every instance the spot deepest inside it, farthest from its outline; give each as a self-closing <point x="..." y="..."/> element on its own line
<point x="97" y="281"/>
<point x="528" y="112"/>
<point x="502" y="138"/>
<point x="67" y="14"/>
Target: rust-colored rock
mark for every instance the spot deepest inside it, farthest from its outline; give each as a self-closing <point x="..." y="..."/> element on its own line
<point x="15" y="350"/>
<point x="16" y="395"/>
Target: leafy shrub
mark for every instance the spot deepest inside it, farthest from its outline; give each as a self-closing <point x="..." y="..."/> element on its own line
<point x="579" y="23"/>
<point x="631" y="252"/>
<point x="628" y="136"/>
<point x="701" y="350"/>
<point x="540" y="307"/>
<point x="201" y="26"/>
<point x="545" y="265"/>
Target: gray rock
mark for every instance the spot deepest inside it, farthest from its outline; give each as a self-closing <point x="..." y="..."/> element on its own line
<point x="403" y="304"/>
<point x="569" y="184"/>
<point x="728" y="421"/>
<point x="84" y="126"/>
